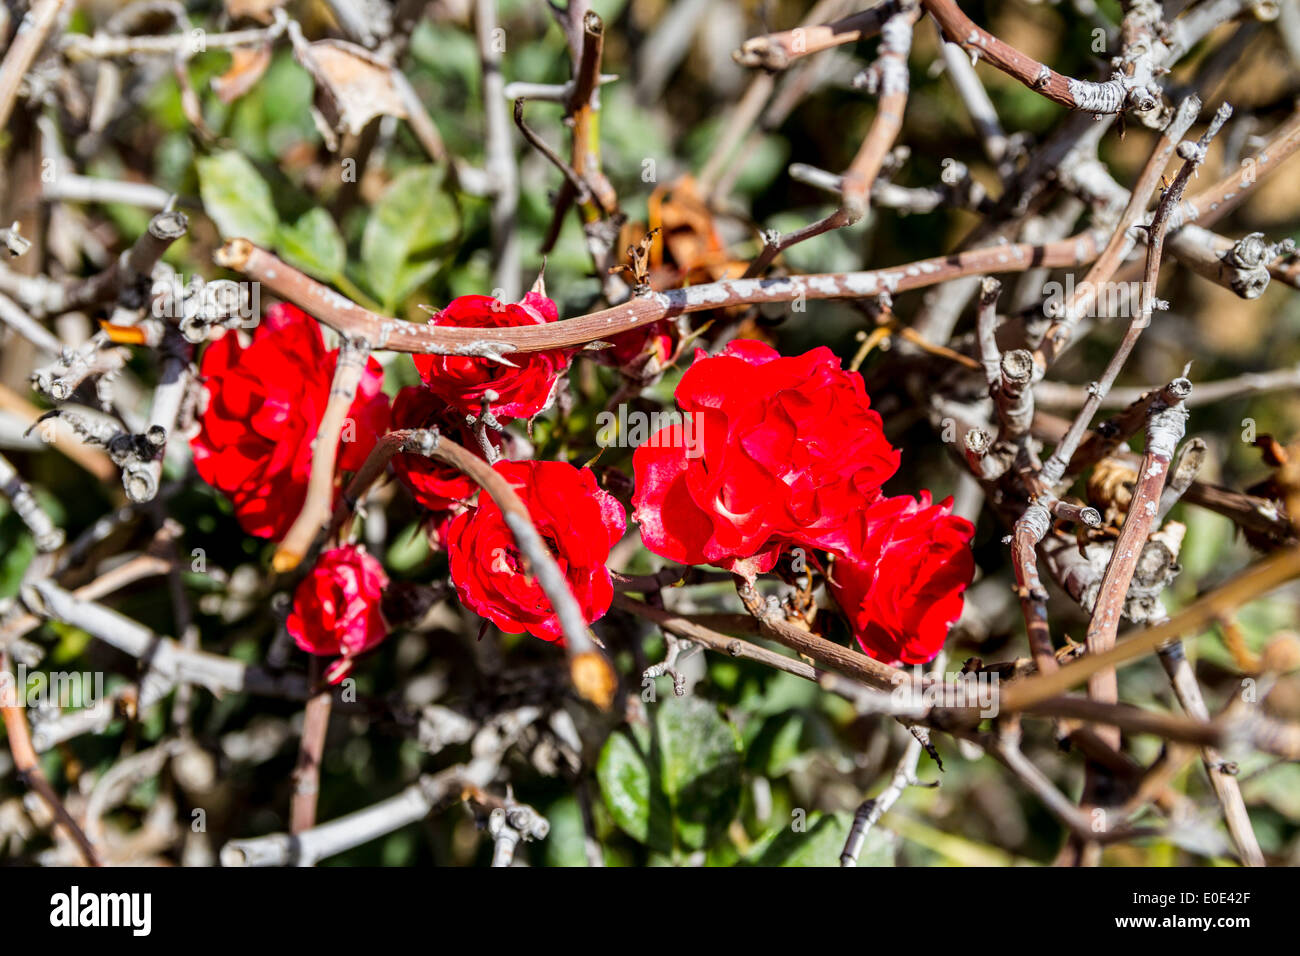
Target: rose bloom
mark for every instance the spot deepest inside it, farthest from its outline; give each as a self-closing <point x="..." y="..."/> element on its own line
<point x="460" y="381"/>
<point x="263" y="406"/>
<point x="433" y="484"/>
<point x="901" y="588"/>
<point x="578" y="521"/>
<point x="336" y="608"/>
<point x="774" y="451"/>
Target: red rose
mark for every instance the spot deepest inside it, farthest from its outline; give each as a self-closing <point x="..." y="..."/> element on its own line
<point x="774" y="451"/>
<point x="643" y="350"/>
<point x="263" y="407"/>
<point x="579" y="523"/>
<point x="522" y="392"/>
<point x="435" y="485"/>
<point x="336" y="608"/>
<point x="901" y="588"/>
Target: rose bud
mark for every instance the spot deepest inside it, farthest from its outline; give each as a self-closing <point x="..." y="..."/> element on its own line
<point x="336" y="608"/>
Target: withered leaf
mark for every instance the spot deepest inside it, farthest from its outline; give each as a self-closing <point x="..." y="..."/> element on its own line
<point x="247" y="65"/>
<point x="353" y="85"/>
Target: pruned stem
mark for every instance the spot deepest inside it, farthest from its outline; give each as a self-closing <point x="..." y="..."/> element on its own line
<point x="27" y="42"/>
<point x="312" y="519"/>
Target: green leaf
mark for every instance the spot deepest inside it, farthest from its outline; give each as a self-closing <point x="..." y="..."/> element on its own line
<point x="410" y="277"/>
<point x="72" y="642"/>
<point x="821" y="842"/>
<point x="701" y="767"/>
<point x="237" y="198"/>
<point x="314" y="245"/>
<point x="413" y="218"/>
<point x="565" y="844"/>
<point x="16" y="553"/>
<point x="408" y="551"/>
<point x="678" y="783"/>
<point x="634" y="799"/>
<point x="784" y="739"/>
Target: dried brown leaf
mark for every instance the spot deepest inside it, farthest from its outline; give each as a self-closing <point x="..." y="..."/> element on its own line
<point x="247" y="65"/>
<point x="353" y="85"/>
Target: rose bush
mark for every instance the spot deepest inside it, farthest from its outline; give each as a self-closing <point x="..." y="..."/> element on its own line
<point x="336" y="608"/>
<point x="776" y="451"/>
<point x="901" y="586"/>
<point x="263" y="407"/>
<point x="578" y="521"/>
<point x="461" y="381"/>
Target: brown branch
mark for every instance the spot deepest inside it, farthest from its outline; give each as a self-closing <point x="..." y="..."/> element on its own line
<point x="1193" y="154"/>
<point x="1250" y="512"/>
<point x="1027" y="534"/>
<point x="834" y="656"/>
<point x="715" y="641"/>
<point x="1183" y="679"/>
<point x="383" y="332"/>
<point x="1208" y="206"/>
<point x="1121" y="241"/>
<point x="889" y="75"/>
<point x="29" y="768"/>
<point x="32" y="33"/>
<point x="776" y="51"/>
<point x="1283" y="739"/>
<point x="306" y="773"/>
<point x="1164" y="430"/>
<point x="1254" y="582"/>
<point x="583" y="112"/>
<point x="1005" y="747"/>
<point x="1107" y="437"/>
<point x="571" y="175"/>
<point x="1114" y="96"/>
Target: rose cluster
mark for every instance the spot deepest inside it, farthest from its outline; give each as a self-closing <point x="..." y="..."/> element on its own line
<point x="776" y="453"/>
<point x="263" y="406"/>
<point x="787" y="452"/>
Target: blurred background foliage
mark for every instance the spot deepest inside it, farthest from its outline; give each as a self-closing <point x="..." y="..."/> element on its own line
<point x="751" y="767"/>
